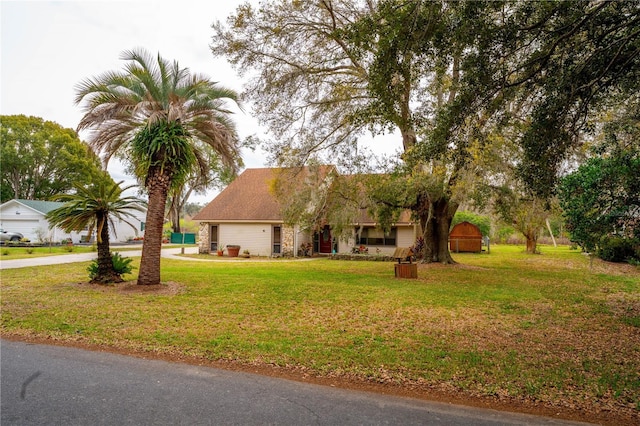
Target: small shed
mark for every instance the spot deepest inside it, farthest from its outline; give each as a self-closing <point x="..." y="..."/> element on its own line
<point x="465" y="237"/>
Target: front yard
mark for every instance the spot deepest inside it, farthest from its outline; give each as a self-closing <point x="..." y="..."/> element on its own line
<point x="548" y="333"/>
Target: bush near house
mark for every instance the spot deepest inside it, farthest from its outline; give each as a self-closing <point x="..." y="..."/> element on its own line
<point x="618" y="249"/>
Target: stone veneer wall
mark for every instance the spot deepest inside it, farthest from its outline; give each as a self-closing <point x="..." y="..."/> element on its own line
<point x="203" y="235"/>
<point x="288" y="240"/>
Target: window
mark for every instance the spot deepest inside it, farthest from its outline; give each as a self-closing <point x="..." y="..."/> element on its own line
<point x="371" y="236"/>
<point x="213" y="237"/>
<point x="277" y="239"/>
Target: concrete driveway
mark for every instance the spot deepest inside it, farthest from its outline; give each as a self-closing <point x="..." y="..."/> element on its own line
<point x="85" y="257"/>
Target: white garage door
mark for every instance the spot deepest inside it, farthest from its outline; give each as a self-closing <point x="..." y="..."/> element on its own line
<point x="25" y="227"/>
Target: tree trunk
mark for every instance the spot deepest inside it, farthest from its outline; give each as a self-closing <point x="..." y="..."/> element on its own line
<point x="158" y="187"/>
<point x="106" y="272"/>
<point x="532" y="242"/>
<point x="174" y="215"/>
<point x="436" y="217"/>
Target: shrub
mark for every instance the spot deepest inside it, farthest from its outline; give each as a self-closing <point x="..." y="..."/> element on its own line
<point x="121" y="265"/>
<point x="503" y="233"/>
<point x="418" y="248"/>
<point x="616" y="249"/>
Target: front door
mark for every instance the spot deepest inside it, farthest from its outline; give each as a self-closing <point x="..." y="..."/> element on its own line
<point x="325" y="240"/>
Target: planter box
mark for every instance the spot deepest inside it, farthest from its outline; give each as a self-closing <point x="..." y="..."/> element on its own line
<point x="233" y="251"/>
<point x="406" y="270"/>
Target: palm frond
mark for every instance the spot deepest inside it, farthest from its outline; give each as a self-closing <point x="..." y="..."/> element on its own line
<point x="150" y="90"/>
<point x="90" y="203"/>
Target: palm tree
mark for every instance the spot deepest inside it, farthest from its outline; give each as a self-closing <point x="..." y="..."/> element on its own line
<point x="158" y="117"/>
<point x="96" y="206"/>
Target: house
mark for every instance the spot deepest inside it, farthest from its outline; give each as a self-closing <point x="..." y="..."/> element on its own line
<point x="248" y="214"/>
<point x="28" y="218"/>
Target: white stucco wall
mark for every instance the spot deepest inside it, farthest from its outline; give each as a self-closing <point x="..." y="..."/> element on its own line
<point x="123" y="231"/>
<point x="255" y="237"/>
<point x="405" y="237"/>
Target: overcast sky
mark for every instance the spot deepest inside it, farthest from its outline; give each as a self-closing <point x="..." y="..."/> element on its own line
<point x="50" y="46"/>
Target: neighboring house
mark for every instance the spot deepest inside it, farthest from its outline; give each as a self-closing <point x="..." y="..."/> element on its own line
<point x="246" y="213"/>
<point x="28" y="218"/>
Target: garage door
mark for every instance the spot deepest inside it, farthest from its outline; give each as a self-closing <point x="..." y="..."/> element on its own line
<point x="25" y="227"/>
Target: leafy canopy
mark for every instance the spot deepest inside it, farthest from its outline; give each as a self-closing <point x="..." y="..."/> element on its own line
<point x="602" y="198"/>
<point x="153" y="101"/>
<point x="39" y="159"/>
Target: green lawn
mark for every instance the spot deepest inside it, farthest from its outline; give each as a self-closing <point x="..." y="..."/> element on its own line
<point x="549" y="328"/>
<point x="9" y="253"/>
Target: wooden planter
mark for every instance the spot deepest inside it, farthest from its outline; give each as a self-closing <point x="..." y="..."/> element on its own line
<point x="406" y="270"/>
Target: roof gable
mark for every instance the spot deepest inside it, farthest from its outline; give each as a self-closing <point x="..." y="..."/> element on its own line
<point x="43" y="207"/>
<point x="247" y="198"/>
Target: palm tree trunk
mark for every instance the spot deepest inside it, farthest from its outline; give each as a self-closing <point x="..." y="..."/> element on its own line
<point x="174" y="214"/>
<point x="106" y="272"/>
<point x="158" y="183"/>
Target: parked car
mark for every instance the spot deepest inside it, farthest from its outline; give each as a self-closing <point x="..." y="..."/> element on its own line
<point x="10" y="236"/>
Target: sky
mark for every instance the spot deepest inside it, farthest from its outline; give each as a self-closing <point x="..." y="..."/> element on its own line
<point x="47" y="47"/>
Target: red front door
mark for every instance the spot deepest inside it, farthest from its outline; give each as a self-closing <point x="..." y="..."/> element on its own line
<point x="325" y="240"/>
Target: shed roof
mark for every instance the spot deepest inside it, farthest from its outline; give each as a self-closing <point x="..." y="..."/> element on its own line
<point x="465" y="229"/>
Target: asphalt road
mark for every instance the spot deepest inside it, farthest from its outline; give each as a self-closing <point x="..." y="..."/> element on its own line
<point x="51" y="385"/>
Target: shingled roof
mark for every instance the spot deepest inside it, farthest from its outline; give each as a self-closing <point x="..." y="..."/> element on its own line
<point x="43" y="207"/>
<point x="247" y="198"/>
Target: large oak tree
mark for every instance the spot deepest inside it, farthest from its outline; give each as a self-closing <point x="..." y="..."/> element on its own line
<point x="445" y="75"/>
